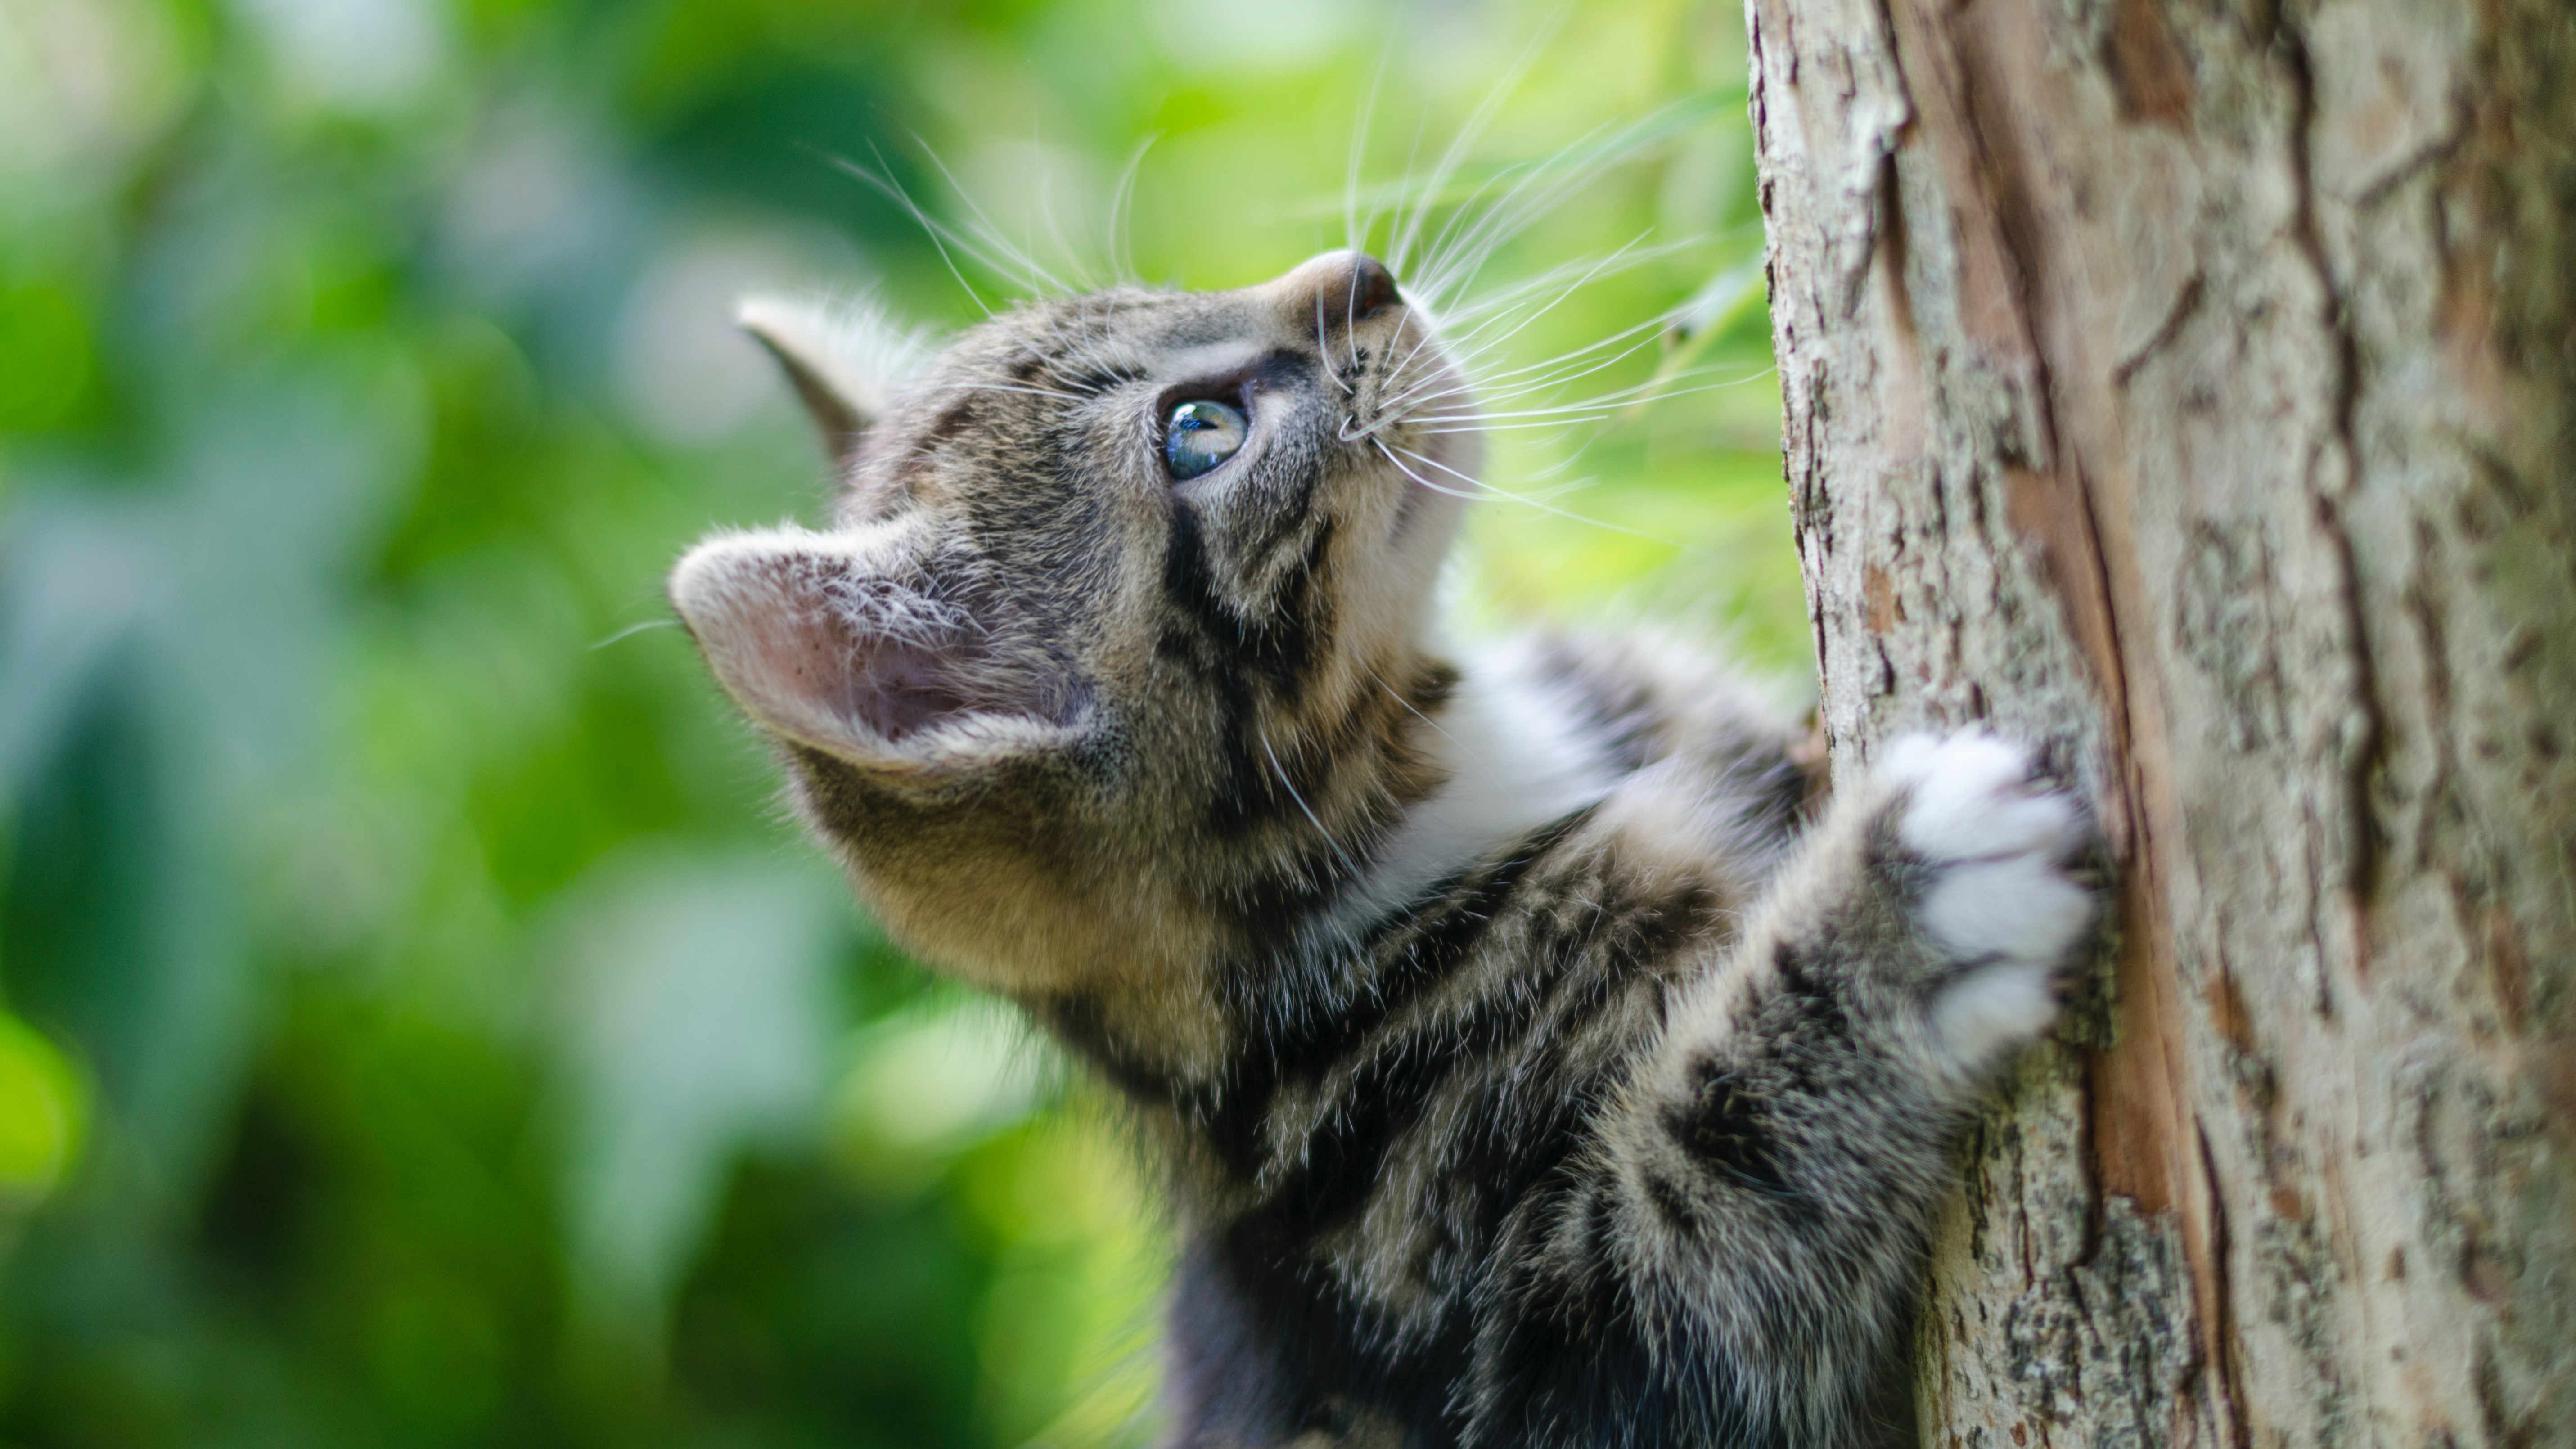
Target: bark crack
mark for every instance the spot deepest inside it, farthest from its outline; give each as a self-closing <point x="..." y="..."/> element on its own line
<point x="2361" y="745"/>
<point x="2186" y="302"/>
<point x="2222" y="1346"/>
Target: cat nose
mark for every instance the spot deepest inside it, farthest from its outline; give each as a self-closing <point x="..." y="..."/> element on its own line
<point x="1339" y="288"/>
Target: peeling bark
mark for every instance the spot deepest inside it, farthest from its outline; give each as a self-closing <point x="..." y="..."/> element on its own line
<point x="2191" y="384"/>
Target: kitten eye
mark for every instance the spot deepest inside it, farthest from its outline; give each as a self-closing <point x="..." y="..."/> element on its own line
<point x="1202" y="433"/>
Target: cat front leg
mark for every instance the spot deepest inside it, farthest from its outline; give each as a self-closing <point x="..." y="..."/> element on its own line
<point x="1759" y="1203"/>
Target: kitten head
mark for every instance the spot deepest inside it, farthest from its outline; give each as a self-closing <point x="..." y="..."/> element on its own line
<point x="1111" y="658"/>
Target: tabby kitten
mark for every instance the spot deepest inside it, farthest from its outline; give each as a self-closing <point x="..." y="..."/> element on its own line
<point x="1531" y="1065"/>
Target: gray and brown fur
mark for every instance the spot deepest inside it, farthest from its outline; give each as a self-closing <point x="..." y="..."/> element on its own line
<point x="1530" y="1064"/>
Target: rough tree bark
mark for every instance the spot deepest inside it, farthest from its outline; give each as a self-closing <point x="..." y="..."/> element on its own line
<point x="2192" y="384"/>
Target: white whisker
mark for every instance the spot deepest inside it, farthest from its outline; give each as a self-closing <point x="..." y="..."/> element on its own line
<point x="1483" y="491"/>
<point x="1354" y="230"/>
<point x="1335" y="846"/>
<point x="1471" y="358"/>
<point x="1543" y="187"/>
<point x="1466" y="137"/>
<point x="1073" y="262"/>
<point x="1122" y="259"/>
<point x="939" y="234"/>
<point x="1605" y="404"/>
<point x="1394" y="694"/>
<point x="992" y="235"/>
<point x="1552" y="372"/>
<point x="631" y="630"/>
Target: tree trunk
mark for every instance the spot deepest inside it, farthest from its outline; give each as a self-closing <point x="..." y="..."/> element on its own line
<point x="2191" y="384"/>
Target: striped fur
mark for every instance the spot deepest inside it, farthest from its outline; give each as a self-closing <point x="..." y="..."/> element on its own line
<point x="1530" y="1062"/>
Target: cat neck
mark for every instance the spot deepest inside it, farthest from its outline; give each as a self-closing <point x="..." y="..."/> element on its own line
<point x="1513" y="755"/>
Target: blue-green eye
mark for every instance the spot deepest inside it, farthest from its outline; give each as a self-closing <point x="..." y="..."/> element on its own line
<point x="1202" y="433"/>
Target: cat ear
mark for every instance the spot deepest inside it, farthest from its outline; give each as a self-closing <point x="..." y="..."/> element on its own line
<point x="846" y="360"/>
<point x="847" y="643"/>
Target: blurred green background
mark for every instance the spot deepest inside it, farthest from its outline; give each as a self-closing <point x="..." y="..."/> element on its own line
<point x="418" y="1024"/>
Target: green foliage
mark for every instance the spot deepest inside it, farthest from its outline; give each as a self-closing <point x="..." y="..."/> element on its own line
<point x="417" y="1024"/>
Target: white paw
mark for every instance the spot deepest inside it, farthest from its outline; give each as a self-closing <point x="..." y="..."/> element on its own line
<point x="1984" y="1014"/>
<point x="2001" y="901"/>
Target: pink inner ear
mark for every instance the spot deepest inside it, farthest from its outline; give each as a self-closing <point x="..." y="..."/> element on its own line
<point x="849" y="661"/>
<point x="902" y="690"/>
